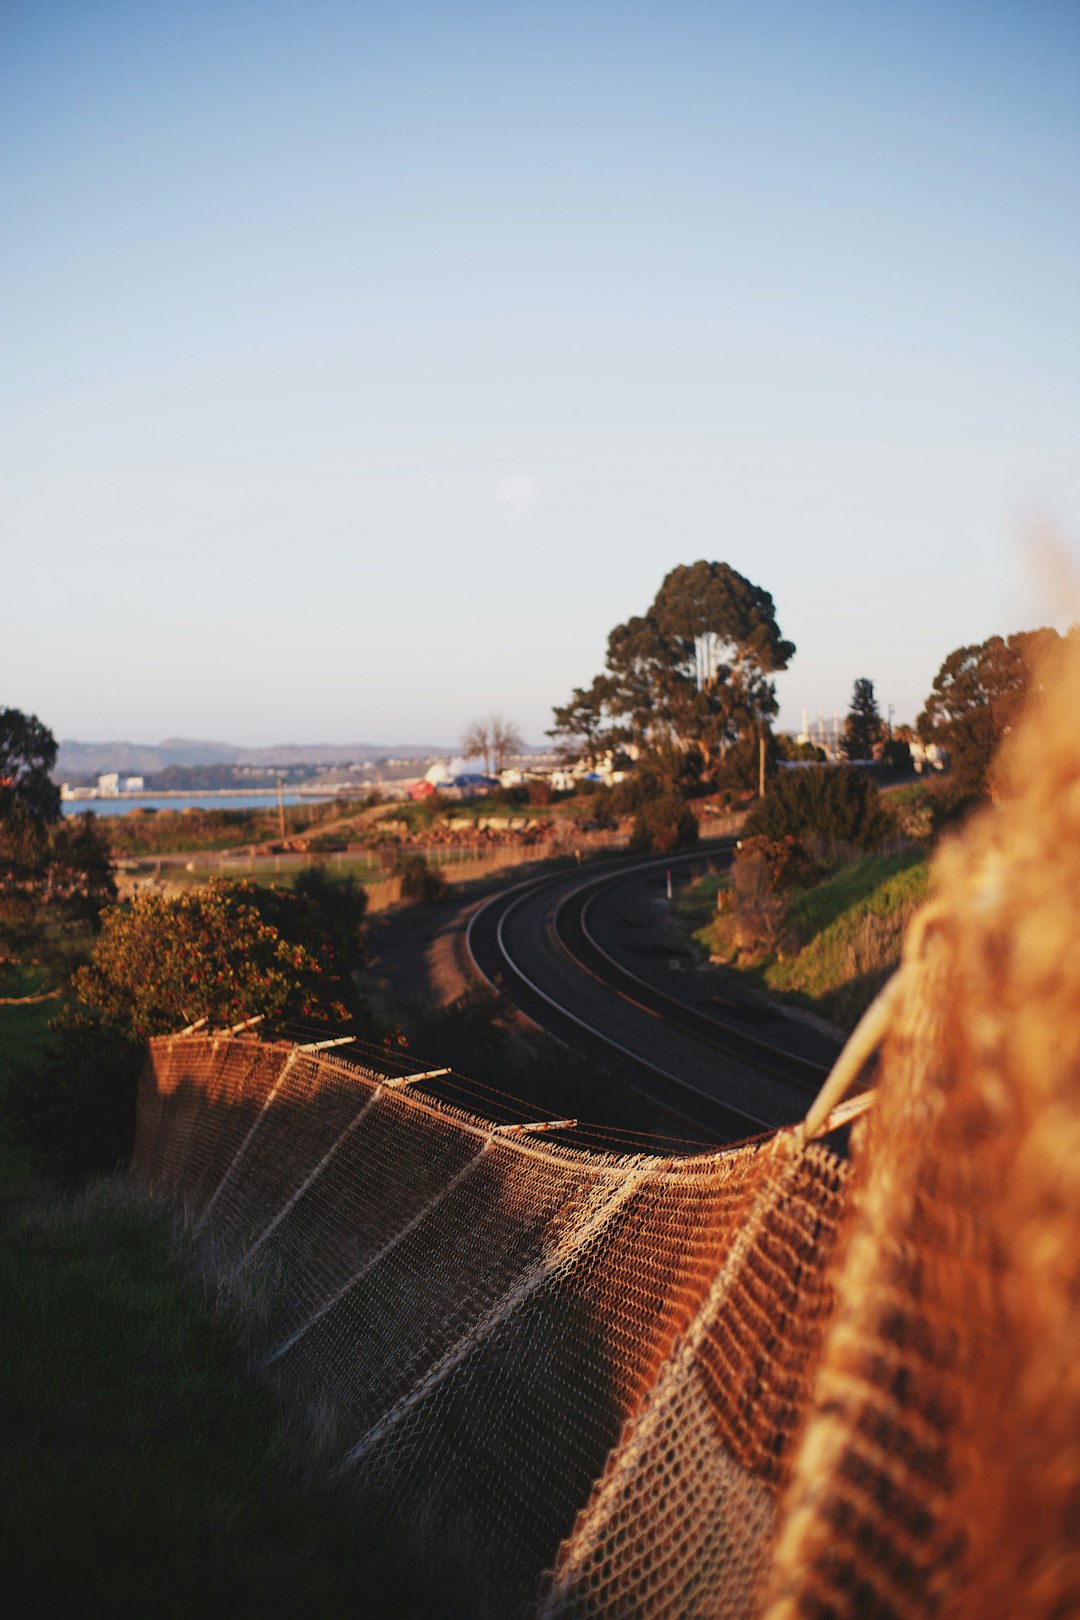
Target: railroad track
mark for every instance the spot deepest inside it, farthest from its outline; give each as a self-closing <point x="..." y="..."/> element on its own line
<point x="538" y="944"/>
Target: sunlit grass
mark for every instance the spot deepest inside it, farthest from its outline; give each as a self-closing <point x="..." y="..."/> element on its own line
<point x="847" y="931"/>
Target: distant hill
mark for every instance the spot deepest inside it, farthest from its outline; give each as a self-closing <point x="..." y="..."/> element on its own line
<point x="76" y="759"/>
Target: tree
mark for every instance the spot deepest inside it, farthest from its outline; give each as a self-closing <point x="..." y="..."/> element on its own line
<point x="692" y="672"/>
<point x="27" y="755"/>
<point x="78" y="876"/>
<point x="492" y="738"/>
<point x="579" y="724"/>
<point x="475" y="742"/>
<point x="976" y="697"/>
<point x="45" y="862"/>
<point x="863" y="726"/>
<point x="506" y="739"/>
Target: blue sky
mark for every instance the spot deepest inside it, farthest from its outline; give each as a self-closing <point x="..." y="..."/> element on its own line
<point x="361" y="366"/>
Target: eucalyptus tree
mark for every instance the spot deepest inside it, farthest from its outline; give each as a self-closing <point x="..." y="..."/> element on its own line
<point x="692" y="672"/>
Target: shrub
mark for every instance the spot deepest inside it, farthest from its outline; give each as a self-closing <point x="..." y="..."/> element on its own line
<point x="759" y="906"/>
<point x="788" y="863"/>
<point x="419" y="881"/>
<point x="223" y="953"/>
<point x="738" y="768"/>
<point x="339" y="903"/>
<point x="75" y="1107"/>
<point x="664" y="823"/>
<point x="833" y="805"/>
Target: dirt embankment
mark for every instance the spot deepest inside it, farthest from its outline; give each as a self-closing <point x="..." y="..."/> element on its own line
<point x="418" y="953"/>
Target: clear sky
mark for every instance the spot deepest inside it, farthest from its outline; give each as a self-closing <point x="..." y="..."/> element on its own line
<point x="362" y="365"/>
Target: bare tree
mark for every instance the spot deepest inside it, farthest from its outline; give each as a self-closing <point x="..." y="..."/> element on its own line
<point x="506" y="739"/>
<point x="476" y="742"/>
<point x="493" y="738"/>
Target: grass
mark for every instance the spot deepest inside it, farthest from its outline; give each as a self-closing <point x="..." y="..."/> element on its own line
<point x="168" y="832"/>
<point x="875" y="883"/>
<point x="847" y="933"/>
<point x="852" y="936"/>
<point x="146" y="1471"/>
<point x="23" y="1030"/>
<point x="281" y="874"/>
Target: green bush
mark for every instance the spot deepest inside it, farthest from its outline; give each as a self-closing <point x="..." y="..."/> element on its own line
<point x="662" y="824"/>
<point x="832" y="805"/>
<point x="788" y="863"/>
<point x="75" y="1107"/>
<point x="224" y="953"/>
<point x="419" y="881"/>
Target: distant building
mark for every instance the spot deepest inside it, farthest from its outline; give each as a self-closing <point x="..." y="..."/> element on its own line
<point x="928" y="756"/>
<point x="108" y="786"/>
<point x="132" y="784"/>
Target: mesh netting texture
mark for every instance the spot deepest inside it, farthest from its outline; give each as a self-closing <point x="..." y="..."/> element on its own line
<point x="939" y="1471"/>
<point x="761" y="1381"/>
<point x="536" y="1353"/>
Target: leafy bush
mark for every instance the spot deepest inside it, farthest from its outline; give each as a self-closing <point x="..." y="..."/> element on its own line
<point x="664" y="823"/>
<point x="834" y="806"/>
<point x="759" y="905"/>
<point x="224" y="953"/>
<point x="419" y="881"/>
<point x="339" y="904"/>
<point x="788" y="863"/>
<point x="75" y="1107"/>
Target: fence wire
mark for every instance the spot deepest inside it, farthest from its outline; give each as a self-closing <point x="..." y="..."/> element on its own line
<point x="763" y="1381"/>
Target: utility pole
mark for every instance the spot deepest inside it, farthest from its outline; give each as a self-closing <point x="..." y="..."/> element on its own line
<point x="892" y="711"/>
<point x="281" y="809"/>
<point x="761" y="766"/>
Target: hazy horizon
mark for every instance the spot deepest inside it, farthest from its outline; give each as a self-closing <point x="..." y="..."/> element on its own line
<point x="364" y="366"/>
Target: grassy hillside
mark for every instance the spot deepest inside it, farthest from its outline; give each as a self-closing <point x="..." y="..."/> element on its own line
<point x="147" y="1473"/>
<point x="840" y="938"/>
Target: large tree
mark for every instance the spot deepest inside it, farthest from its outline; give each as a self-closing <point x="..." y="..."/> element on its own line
<point x="692" y="672"/>
<point x="976" y="697"/>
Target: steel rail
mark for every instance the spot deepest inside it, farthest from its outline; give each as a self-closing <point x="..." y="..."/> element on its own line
<point x="521" y="893"/>
<point x="715" y="1032"/>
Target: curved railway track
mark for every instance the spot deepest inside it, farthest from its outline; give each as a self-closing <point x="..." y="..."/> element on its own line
<point x="538" y="943"/>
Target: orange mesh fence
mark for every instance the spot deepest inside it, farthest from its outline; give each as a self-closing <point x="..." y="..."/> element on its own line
<point x="510" y="1331"/>
<point x="939" y="1473"/>
<point x="763" y="1381"/>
